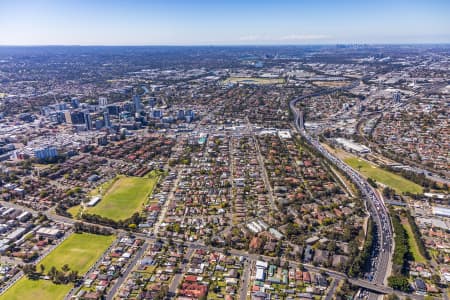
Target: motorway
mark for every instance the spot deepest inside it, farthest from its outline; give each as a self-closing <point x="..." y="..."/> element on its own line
<point x="374" y="203"/>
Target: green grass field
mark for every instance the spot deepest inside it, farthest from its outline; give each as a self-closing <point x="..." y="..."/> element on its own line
<point x="254" y="80"/>
<point x="26" y="289"/>
<point x="397" y="182"/>
<point x="74" y="210"/>
<point x="412" y="243"/>
<point x="79" y="251"/>
<point x="124" y="197"/>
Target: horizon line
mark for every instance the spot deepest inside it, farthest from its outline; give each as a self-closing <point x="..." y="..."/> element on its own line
<point x="223" y="45"/>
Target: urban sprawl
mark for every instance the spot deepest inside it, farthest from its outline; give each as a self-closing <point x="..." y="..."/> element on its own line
<point x="225" y="172"/>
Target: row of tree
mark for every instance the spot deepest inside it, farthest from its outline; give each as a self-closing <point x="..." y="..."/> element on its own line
<point x="362" y="259"/>
<point x="417" y="236"/>
<point x="63" y="276"/>
<point x="398" y="280"/>
<point x="401" y="251"/>
<point x="80" y="227"/>
<point x="420" y="179"/>
<point x="127" y="224"/>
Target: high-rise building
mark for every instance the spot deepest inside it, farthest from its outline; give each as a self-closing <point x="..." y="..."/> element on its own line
<point x="157" y="114"/>
<point x="127" y="106"/>
<point x="61" y="106"/>
<point x="137" y="103"/>
<point x="78" y="117"/>
<point x="102" y="101"/>
<point x="190" y="114"/>
<point x="396" y="97"/>
<point x="56" y="117"/>
<point x="75" y="103"/>
<point x="106" y="119"/>
<point x="44" y="153"/>
<point x="68" y="117"/>
<point x="99" y="124"/>
<point x="113" y="109"/>
<point x="102" y="140"/>
<point x="180" y="115"/>
<point x="88" y="121"/>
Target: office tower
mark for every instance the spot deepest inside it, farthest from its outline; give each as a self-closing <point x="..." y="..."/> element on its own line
<point x="99" y="124"/>
<point x="113" y="109"/>
<point x="137" y="103"/>
<point x="68" y="117"/>
<point x="180" y="115"/>
<point x="102" y="101"/>
<point x="88" y="121"/>
<point x="61" y="106"/>
<point x="75" y="103"/>
<point x="45" y="152"/>
<point x="106" y="119"/>
<point x="157" y="114"/>
<point x="190" y="113"/>
<point x="396" y="97"/>
<point x="78" y="117"/>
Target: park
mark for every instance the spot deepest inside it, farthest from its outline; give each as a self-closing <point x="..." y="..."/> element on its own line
<point x="78" y="251"/>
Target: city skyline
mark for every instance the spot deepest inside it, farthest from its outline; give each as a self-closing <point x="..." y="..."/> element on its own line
<point x="139" y="23"/>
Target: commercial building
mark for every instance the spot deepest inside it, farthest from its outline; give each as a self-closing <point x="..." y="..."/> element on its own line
<point x="45" y="153"/>
<point x="49" y="232"/>
<point x="93" y="201"/>
<point x="102" y="101"/>
<point x="106" y="119"/>
<point x="88" y="121"/>
<point x="351" y="146"/>
<point x="137" y="103"/>
<point x="441" y="211"/>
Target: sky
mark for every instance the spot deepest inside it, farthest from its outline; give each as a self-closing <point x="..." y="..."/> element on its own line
<point x="222" y="22"/>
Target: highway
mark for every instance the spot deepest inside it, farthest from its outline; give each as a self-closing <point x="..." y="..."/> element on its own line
<point x="374" y="204"/>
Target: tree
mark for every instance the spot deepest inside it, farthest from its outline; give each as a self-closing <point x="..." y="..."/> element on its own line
<point x="73" y="276"/>
<point x="332" y="247"/>
<point x="60" y="278"/>
<point x="372" y="182"/>
<point x="436" y="279"/>
<point x="29" y="269"/>
<point x="399" y="283"/>
<point x="65" y="268"/>
<point x="162" y="293"/>
<point x="52" y="273"/>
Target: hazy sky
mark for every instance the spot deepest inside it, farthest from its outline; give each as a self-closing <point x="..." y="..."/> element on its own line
<point x="191" y="22"/>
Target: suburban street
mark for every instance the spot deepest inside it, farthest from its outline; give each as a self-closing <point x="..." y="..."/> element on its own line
<point x="123" y="277"/>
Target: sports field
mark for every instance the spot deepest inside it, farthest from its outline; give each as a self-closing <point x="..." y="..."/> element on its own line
<point x="254" y="80"/>
<point x="36" y="290"/>
<point x="124" y="197"/>
<point x="397" y="182"/>
<point x="330" y="83"/>
<point x="79" y="251"/>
